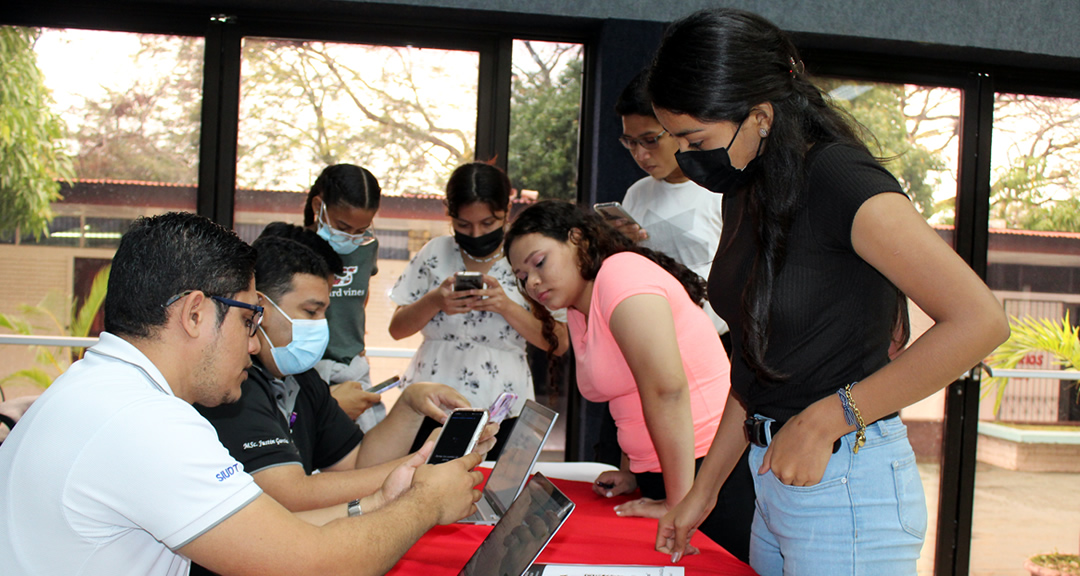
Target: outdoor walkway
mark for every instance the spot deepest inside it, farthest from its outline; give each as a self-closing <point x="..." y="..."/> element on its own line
<point x="1017" y="515"/>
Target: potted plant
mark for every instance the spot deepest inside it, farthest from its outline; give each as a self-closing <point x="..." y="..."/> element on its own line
<point x="1060" y="339"/>
<point x="1053" y="565"/>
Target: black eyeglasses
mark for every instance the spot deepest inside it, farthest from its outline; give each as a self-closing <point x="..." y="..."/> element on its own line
<point x="646" y="142"/>
<point x="252" y="324"/>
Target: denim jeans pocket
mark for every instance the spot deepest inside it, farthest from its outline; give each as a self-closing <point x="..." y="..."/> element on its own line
<point x="910" y="501"/>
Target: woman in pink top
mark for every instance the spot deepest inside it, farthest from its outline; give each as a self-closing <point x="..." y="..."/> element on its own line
<point x="643" y="344"/>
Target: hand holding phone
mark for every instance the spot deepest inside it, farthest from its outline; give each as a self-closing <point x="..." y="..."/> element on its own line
<point x="392" y="382"/>
<point x="621" y="220"/>
<point x="614" y="211"/>
<point x="500" y="408"/>
<point x="468" y="281"/>
<point x="459" y="434"/>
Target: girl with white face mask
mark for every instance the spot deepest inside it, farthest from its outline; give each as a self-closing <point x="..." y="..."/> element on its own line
<point x="341" y="207"/>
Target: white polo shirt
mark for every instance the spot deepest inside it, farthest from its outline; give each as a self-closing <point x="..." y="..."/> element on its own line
<point x="683" y="220"/>
<point x="109" y="473"/>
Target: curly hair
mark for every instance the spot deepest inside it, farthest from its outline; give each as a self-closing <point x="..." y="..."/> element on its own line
<point x="595" y="240"/>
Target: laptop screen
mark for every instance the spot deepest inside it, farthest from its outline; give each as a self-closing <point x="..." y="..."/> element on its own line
<point x="518" y="456"/>
<point x="523" y="531"/>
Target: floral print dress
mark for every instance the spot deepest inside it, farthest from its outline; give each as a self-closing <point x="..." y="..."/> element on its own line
<point x="477" y="353"/>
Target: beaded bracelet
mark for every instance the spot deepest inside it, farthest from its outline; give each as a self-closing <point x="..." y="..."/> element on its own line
<point x="852" y="416"/>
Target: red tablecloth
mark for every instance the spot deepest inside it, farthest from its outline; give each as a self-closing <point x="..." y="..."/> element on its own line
<point x="592" y="535"/>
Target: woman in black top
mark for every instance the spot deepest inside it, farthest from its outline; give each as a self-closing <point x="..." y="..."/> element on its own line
<point x="819" y="247"/>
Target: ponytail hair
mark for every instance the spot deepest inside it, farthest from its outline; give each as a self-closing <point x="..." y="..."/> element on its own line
<point x="716" y="65"/>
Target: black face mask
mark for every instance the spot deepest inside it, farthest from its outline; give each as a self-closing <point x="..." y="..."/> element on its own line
<point x="480" y="246"/>
<point x="712" y="169"/>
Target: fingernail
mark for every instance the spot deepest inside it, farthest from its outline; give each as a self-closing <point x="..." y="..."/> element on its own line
<point x="609" y="494"/>
<point x="675" y="557"/>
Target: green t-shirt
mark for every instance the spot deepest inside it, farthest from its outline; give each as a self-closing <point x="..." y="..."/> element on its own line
<point x="347" y="297"/>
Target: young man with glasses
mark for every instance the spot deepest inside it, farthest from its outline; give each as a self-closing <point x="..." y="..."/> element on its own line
<point x="112" y="471"/>
<point x="677" y="217"/>
<point x="286" y="426"/>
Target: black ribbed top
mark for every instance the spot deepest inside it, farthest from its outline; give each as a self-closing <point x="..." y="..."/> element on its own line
<point x="832" y="313"/>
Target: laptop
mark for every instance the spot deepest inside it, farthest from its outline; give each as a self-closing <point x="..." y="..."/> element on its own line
<point x="523" y="532"/>
<point x="515" y="462"/>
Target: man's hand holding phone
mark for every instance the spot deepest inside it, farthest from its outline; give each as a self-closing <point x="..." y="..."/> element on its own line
<point x="621" y="220"/>
<point x="459" y="435"/>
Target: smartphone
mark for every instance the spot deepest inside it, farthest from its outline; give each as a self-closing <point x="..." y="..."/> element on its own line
<point x="500" y="408"/>
<point x="387" y="384"/>
<point x="614" y="211"/>
<point x="468" y="281"/>
<point x="459" y="434"/>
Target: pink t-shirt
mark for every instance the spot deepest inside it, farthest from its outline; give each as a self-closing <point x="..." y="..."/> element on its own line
<point x="604" y="376"/>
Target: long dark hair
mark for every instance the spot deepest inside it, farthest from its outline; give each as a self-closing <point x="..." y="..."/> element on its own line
<point x="343" y="185"/>
<point x="596" y="241"/>
<point x="716" y="65"/>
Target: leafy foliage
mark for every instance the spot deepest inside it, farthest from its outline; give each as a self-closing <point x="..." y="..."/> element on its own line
<point x="390" y="109"/>
<point x="31" y="157"/>
<point x="1058" y="337"/>
<point x="150" y="130"/>
<point x="1037" y="179"/>
<point x="56" y="315"/>
<point x="545" y="109"/>
<point x="900" y="121"/>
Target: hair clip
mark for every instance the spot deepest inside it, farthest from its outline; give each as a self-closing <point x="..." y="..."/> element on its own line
<point x="796" y="67"/>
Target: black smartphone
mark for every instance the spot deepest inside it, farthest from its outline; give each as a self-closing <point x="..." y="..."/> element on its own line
<point x="468" y="281"/>
<point x="614" y="211"/>
<point x="459" y="434"/>
<point x="385" y="385"/>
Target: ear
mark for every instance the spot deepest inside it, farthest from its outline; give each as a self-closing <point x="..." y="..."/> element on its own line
<point x="762" y="116"/>
<point x="196" y="313"/>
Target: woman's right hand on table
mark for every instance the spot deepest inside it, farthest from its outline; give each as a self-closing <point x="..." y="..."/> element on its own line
<point x="451" y="302"/>
<point x="614" y="482"/>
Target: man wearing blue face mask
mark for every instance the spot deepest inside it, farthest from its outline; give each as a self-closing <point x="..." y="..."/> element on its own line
<point x="286" y="425"/>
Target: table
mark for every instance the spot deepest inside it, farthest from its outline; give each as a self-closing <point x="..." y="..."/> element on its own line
<point x="592" y="535"/>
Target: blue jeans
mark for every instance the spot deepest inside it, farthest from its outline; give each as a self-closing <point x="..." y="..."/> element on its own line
<point x="867" y="516"/>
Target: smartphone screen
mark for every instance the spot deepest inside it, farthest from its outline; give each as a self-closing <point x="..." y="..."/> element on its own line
<point x="468" y="281"/>
<point x="459" y="435"/>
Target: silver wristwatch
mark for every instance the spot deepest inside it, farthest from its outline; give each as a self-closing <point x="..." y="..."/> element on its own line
<point x="354" y="508"/>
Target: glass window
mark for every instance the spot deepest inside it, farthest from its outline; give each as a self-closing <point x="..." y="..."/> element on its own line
<point x="120" y="120"/>
<point x="545" y="112"/>
<point x="914" y="130"/>
<point x="406" y="114"/>
<point x="545" y="118"/>
<point x="1028" y="452"/>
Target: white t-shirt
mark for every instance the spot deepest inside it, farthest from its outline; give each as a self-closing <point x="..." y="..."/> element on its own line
<point x="110" y="473"/>
<point x="683" y="221"/>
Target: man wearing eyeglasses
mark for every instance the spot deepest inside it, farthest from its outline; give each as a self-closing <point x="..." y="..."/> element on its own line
<point x="677" y="217"/>
<point x="112" y="471"/>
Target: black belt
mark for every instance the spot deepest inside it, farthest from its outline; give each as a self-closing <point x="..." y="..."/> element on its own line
<point x="755" y="430"/>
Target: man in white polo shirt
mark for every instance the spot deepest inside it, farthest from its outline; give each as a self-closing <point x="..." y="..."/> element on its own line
<point x="113" y="471"/>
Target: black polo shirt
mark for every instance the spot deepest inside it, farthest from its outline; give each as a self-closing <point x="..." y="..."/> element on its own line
<point x="290" y="421"/>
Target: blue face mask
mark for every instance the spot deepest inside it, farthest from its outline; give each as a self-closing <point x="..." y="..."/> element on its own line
<point x="309" y="340"/>
<point x="342" y="242"/>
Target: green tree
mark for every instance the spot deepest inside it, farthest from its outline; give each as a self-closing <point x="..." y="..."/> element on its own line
<point x="1037" y="175"/>
<point x="31" y="157"/>
<point x="545" y="110"/>
<point x="375" y="106"/>
<point x="896" y="118"/>
<point x="148" y="131"/>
